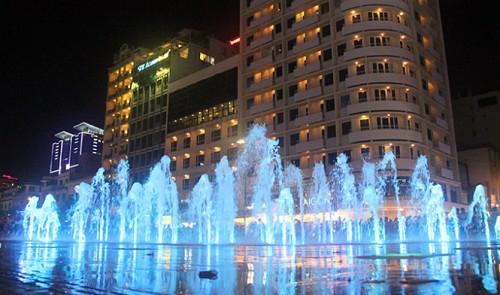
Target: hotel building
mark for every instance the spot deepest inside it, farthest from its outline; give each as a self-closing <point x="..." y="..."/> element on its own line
<point x="360" y="77"/>
<point x="159" y="107"/>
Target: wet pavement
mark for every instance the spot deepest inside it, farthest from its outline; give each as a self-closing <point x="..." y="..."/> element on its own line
<point x="99" y="268"/>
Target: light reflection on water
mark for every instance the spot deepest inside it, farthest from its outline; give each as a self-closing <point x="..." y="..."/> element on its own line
<point x="460" y="268"/>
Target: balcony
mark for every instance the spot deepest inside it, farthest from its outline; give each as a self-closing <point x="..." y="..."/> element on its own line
<point x="437" y="75"/>
<point x="261" y="84"/>
<point x="378" y="51"/>
<point x="308" y="20"/>
<point x="375" y="26"/>
<point x="306" y="45"/>
<point x="385" y="134"/>
<point x="351" y="4"/>
<point x="297" y="3"/>
<point x="434" y="53"/>
<point x="309" y="145"/>
<point x="383" y="105"/>
<point x="445" y="148"/>
<point x="261" y="107"/>
<point x="439" y="99"/>
<point x="442" y="123"/>
<point x="309" y="119"/>
<point x="264" y="18"/>
<point x="256" y="3"/>
<point x="261" y="62"/>
<point x="446" y="173"/>
<point x="302" y="95"/>
<point x="261" y="41"/>
<point x="307" y="69"/>
<point x="390" y="78"/>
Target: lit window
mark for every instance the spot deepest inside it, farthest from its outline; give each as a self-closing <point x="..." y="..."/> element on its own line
<point x="206" y="58"/>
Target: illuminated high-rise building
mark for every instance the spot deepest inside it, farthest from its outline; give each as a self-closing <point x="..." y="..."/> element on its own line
<point x="350" y="76"/>
<point x="67" y="152"/>
<point x="154" y="104"/>
<point x="118" y="98"/>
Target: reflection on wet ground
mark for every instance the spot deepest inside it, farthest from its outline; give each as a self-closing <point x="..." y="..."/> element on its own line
<point x="96" y="268"/>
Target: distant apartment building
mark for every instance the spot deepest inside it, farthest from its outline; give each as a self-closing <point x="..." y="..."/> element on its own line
<point x="73" y="150"/>
<point x="478" y="143"/>
<point x="482" y="125"/>
<point x="350" y="76"/>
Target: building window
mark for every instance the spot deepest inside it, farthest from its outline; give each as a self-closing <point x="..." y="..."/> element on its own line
<point x="345" y="100"/>
<point x="346" y="128"/>
<point x="327" y="54"/>
<point x="173" y="166"/>
<point x="341" y="49"/>
<point x="281" y="142"/>
<point x="365" y="153"/>
<point x="216" y="135"/>
<point x="356" y="18"/>
<point x="325" y="31"/>
<point x="185" y="184"/>
<point x="185" y="163"/>
<point x="200" y="160"/>
<point x="358" y="43"/>
<point x="330" y="105"/>
<point x="295" y="162"/>
<point x="387" y="123"/>
<point x="331" y="131"/>
<point x="379" y="67"/>
<point x="364" y="124"/>
<point x="342" y="75"/>
<point x="360" y="69"/>
<point x="173" y="146"/>
<point x="232" y="153"/>
<point x="187" y="142"/>
<point x="332" y="158"/>
<point x="250" y="102"/>
<point x="294" y="139"/>
<point x="380" y="41"/>
<point x="200" y="139"/>
<point x="379" y="15"/>
<point x="232" y="131"/>
<point x="293" y="114"/>
<point x="215" y="157"/>
<point x="362" y="97"/>
<point x="280" y="118"/>
<point x="329" y="79"/>
<point x="339" y="25"/>
<point x="429" y="134"/>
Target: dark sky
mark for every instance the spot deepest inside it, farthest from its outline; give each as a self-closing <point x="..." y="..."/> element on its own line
<point x="56" y="55"/>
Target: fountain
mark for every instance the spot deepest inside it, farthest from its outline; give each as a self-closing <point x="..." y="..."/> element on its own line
<point x="333" y="235"/>
<point x="342" y="207"/>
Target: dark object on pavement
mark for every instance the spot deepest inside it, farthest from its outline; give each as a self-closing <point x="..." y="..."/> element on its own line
<point x="208" y="274"/>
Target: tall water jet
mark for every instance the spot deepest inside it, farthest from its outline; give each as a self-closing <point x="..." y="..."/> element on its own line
<point x="345" y="189"/>
<point x="224" y="202"/>
<point x="131" y="214"/>
<point x="320" y="203"/>
<point x="373" y="199"/>
<point x="122" y="181"/>
<point x="497" y="228"/>
<point x="478" y="208"/>
<point x="261" y="162"/>
<point x="162" y="192"/>
<point x="42" y="222"/>
<point x="101" y="213"/>
<point x="201" y="209"/>
<point x="29" y="217"/>
<point x="83" y="207"/>
<point x="285" y="214"/>
<point x="49" y="219"/>
<point x="294" y="181"/>
<point x="429" y="198"/>
<point x="454" y="219"/>
<point x="387" y="172"/>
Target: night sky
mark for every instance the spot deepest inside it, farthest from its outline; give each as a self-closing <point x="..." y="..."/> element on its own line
<point x="56" y="55"/>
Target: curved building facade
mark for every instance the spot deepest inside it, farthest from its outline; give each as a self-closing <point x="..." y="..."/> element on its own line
<point x="360" y="77"/>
